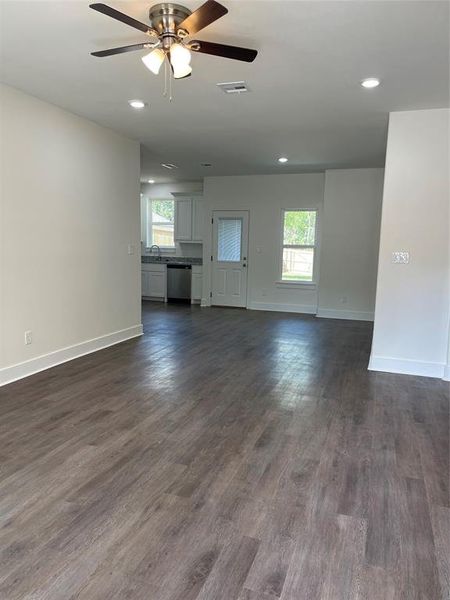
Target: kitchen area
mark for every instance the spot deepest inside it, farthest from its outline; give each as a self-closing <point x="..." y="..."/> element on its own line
<point x="171" y="254"/>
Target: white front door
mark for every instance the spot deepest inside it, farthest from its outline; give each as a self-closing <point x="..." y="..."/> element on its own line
<point x="229" y="258"/>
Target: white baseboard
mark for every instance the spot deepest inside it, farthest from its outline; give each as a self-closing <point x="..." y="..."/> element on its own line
<point x="446" y="376"/>
<point x="353" y="315"/>
<point x="309" y="309"/>
<point x="45" y="361"/>
<point x="406" y="366"/>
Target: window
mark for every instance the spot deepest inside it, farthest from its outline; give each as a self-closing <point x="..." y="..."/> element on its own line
<point x="299" y="246"/>
<point x="229" y="234"/>
<point x="160" y="223"/>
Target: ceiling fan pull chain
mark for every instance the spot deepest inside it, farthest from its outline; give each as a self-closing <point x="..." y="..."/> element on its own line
<point x="165" y="78"/>
<point x="170" y="85"/>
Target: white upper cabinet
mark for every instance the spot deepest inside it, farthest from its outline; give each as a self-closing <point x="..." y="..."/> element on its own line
<point x="197" y="219"/>
<point x="183" y="219"/>
<point x="189" y="217"/>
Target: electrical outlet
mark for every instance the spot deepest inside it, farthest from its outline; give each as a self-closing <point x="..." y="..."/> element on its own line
<point x="28" y="338"/>
<point x="400" y="258"/>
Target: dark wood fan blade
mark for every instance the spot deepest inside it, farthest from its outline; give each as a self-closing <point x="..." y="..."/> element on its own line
<point x="115" y="14"/>
<point x="203" y="16"/>
<point x="121" y="50"/>
<point x="234" y="52"/>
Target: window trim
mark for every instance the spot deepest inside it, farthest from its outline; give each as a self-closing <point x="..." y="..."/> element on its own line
<point x="149" y="223"/>
<point x="299" y="284"/>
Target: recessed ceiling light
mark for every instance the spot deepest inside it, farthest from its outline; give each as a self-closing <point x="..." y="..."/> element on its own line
<point x="136" y="103"/>
<point x="151" y="181"/>
<point x="283" y="159"/>
<point x="371" y="82"/>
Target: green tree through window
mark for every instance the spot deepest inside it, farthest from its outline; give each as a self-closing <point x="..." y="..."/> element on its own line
<point x="163" y="208"/>
<point x="299" y="227"/>
<point x="299" y="241"/>
<point x="160" y="226"/>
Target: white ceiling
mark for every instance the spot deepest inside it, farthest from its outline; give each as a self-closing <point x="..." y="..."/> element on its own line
<point x="306" y="102"/>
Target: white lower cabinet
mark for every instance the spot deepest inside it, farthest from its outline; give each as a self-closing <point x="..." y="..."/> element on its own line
<point x="197" y="283"/>
<point x="154" y="281"/>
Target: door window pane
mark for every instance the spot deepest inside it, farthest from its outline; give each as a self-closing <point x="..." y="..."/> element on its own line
<point x="299" y="228"/>
<point x="229" y="235"/>
<point x="298" y="264"/>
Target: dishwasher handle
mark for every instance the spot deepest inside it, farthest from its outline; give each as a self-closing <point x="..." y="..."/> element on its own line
<point x="178" y="266"/>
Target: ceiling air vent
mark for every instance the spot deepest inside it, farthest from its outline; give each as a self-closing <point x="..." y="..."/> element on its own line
<point x="233" y="87"/>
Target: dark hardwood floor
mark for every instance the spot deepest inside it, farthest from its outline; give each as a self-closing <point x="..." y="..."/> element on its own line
<point x="226" y="455"/>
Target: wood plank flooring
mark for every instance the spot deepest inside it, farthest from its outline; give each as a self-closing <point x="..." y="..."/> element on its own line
<point x="225" y="455"/>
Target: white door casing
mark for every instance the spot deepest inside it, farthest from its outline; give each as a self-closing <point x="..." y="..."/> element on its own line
<point x="229" y="258"/>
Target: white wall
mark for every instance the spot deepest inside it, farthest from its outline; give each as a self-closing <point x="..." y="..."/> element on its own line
<point x="446" y="375"/>
<point x="447" y="366"/>
<point x="412" y="301"/>
<point x="350" y="238"/>
<point x="162" y="191"/>
<point x="264" y="196"/>
<point x="70" y="207"/>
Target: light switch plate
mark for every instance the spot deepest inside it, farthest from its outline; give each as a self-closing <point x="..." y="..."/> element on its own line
<point x="400" y="257"/>
<point x="130" y="249"/>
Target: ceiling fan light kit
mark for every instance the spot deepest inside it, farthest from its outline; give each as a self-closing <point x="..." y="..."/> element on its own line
<point x="153" y="60"/>
<point x="171" y="25"/>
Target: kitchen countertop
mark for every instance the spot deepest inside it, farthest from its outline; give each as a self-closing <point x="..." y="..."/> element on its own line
<point x="168" y="259"/>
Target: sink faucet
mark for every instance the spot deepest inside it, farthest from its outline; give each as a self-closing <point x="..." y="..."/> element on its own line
<point x="158" y="248"/>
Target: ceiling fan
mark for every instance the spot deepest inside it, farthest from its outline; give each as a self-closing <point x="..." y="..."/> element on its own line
<point x="171" y="25"/>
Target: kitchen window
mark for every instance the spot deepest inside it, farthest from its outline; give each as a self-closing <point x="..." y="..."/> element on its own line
<point x="299" y="246"/>
<point x="160" y="223"/>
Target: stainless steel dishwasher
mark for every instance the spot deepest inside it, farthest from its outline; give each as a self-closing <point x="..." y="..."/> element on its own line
<point x="179" y="282"/>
